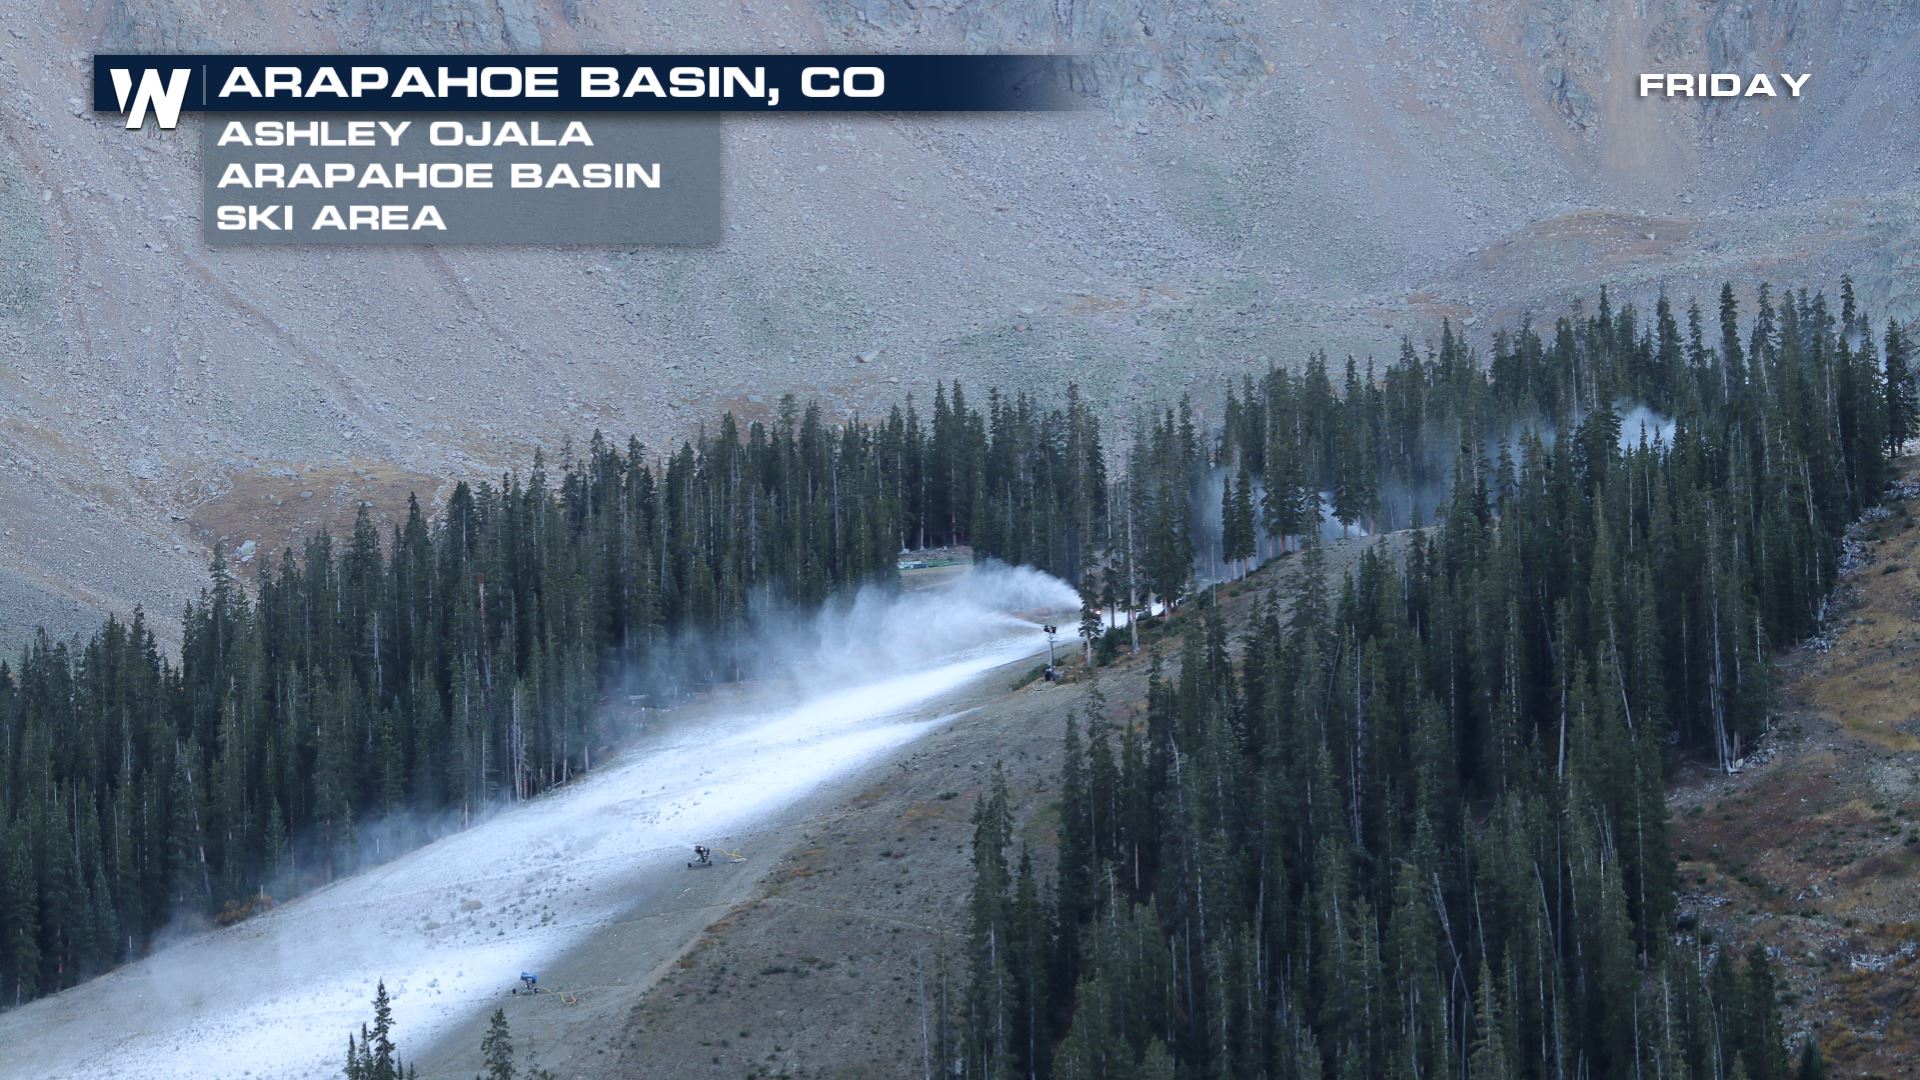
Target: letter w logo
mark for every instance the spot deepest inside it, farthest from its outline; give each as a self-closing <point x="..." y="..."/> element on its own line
<point x="164" y="100"/>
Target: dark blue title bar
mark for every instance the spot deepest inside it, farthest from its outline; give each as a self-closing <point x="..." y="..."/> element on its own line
<point x="169" y="84"/>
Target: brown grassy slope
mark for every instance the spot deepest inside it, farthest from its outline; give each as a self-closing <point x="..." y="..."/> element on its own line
<point x="1814" y="851"/>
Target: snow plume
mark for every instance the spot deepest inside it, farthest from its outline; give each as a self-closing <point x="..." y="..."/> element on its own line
<point x="557" y="884"/>
<point x="1403" y="504"/>
<point x="1000" y="589"/>
<point x="1425" y="495"/>
<point x="1330" y="527"/>
<point x="874" y="628"/>
<point x="850" y="639"/>
<point x="1206" y="522"/>
<point x="884" y="628"/>
<point x="1636" y="418"/>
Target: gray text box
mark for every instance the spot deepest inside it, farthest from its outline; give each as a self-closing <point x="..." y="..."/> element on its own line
<point x="633" y="180"/>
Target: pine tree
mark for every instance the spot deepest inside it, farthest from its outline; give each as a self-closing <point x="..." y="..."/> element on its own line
<point x="1238" y="535"/>
<point x="381" y="1061"/>
<point x="991" y="1005"/>
<point x="1489" y="1058"/>
<point x="1765" y="1050"/>
<point x="496" y="1048"/>
<point x="1092" y="625"/>
<point x="357" y="1066"/>
<point x="1903" y="394"/>
<point x="1812" y="1065"/>
<point x="22" y="919"/>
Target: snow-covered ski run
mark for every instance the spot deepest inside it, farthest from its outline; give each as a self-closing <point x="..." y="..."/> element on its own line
<point x="449" y="927"/>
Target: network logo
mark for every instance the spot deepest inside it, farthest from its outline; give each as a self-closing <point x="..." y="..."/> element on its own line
<point x="163" y="98"/>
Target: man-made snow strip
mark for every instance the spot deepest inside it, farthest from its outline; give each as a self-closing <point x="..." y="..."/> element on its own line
<point x="450" y="926"/>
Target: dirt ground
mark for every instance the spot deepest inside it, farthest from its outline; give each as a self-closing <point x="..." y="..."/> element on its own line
<point x="825" y="970"/>
<point x="1813" y="847"/>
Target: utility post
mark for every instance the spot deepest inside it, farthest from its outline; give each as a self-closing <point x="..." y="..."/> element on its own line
<point x="1051" y="630"/>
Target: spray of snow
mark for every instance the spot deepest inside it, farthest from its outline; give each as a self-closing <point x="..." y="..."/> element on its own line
<point x="1206" y="516"/>
<point x="449" y="926"/>
<point x="846" y="638"/>
<point x="888" y="629"/>
<point x="1330" y="527"/>
<point x="1399" y="504"/>
<point x="1207" y="520"/>
<point x="1637" y="420"/>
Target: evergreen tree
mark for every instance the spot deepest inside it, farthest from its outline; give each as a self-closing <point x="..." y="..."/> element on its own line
<point x="496" y="1048"/>
<point x="1811" y="1066"/>
<point x="381" y="1062"/>
<point x="1092" y="625"/>
<point x="1903" y="395"/>
<point x="1237" y="542"/>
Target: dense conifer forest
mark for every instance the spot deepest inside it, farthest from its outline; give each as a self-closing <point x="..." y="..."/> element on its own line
<point x="1413" y="824"/>
<point x="1410" y="826"/>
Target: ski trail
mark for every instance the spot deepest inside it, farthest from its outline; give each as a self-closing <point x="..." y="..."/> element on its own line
<point x="449" y="926"/>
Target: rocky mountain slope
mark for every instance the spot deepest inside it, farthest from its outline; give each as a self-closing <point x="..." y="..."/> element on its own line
<point x="1256" y="180"/>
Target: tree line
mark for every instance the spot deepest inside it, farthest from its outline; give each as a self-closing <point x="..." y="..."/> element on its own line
<point x="1413" y="823"/>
